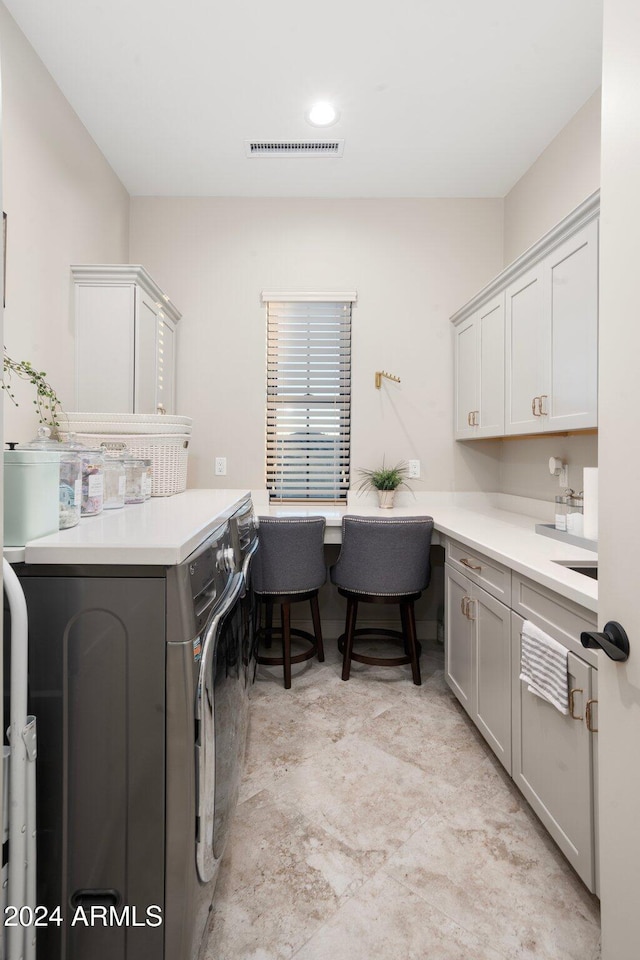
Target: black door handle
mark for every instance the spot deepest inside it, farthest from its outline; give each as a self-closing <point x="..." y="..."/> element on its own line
<point x="614" y="641"/>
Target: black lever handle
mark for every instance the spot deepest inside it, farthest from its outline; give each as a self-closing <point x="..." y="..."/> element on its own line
<point x="614" y="641"/>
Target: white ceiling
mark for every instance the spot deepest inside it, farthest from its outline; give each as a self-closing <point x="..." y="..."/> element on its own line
<point x="437" y="98"/>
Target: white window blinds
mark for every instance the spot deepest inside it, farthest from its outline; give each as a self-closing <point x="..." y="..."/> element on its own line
<point x="308" y="397"/>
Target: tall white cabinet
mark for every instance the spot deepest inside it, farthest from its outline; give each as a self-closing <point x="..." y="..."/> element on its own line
<point x="526" y="346"/>
<point x="125" y="333"/>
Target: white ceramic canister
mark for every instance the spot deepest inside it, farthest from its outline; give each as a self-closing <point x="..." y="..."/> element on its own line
<point x="31" y="495"/>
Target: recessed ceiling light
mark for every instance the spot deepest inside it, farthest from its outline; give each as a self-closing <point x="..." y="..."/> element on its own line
<point x="322" y="114"/>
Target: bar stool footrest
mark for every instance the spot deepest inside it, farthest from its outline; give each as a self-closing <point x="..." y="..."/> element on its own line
<point x="276" y="634"/>
<point x="393" y="636"/>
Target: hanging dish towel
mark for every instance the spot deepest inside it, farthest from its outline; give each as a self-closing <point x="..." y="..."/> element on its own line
<point x="543" y="666"/>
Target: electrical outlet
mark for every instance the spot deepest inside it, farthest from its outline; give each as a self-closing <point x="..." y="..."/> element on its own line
<point x="414" y="469"/>
<point x="221" y="466"/>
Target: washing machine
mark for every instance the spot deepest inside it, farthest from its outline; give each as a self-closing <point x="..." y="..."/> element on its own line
<point x="140" y="680"/>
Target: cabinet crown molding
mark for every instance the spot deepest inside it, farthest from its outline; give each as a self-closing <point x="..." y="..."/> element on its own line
<point x="588" y="210"/>
<point x="125" y="273"/>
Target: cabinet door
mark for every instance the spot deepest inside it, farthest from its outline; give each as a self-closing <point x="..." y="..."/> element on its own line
<point x="104" y="324"/>
<point x="571" y="314"/>
<point x="552" y="761"/>
<point x="526" y="354"/>
<point x="490" y="324"/>
<point x="459" y="640"/>
<point x="492" y="622"/>
<point x="466" y="378"/>
<point x="146" y="352"/>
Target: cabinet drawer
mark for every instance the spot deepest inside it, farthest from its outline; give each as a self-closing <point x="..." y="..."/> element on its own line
<point x="561" y="618"/>
<point x="489" y="574"/>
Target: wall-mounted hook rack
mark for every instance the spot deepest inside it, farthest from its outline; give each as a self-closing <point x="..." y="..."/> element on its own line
<point x="383" y="373"/>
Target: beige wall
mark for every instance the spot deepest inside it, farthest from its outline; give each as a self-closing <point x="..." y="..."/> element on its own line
<point x="564" y="174"/>
<point x="64" y="205"/>
<point x="413" y="262"/>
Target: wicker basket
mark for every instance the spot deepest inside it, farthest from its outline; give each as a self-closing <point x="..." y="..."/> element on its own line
<point x="168" y="454"/>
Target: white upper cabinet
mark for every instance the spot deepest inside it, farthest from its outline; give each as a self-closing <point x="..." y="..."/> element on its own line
<point x="125" y="329"/>
<point x="571" y="312"/>
<point x="538" y="320"/>
<point x="479" y="372"/>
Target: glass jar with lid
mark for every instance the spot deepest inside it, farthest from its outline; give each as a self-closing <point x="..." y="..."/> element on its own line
<point x="148" y="479"/>
<point x="115" y="483"/>
<point x="135" y="472"/>
<point x="70" y="475"/>
<point x="92" y="481"/>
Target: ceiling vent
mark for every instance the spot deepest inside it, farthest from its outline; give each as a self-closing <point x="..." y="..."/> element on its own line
<point x="294" y="148"/>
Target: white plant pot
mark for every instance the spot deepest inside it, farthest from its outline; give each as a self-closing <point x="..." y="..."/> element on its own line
<point x="385" y="498"/>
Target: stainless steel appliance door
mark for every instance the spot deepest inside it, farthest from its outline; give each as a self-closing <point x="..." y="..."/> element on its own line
<point x="221" y="725"/>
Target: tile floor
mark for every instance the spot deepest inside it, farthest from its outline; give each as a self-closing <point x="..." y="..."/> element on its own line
<point x="375" y="824"/>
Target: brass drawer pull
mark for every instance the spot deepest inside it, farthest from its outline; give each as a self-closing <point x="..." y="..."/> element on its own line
<point x="467" y="563"/>
<point x="588" y="715"/>
<point x="572" y="694"/>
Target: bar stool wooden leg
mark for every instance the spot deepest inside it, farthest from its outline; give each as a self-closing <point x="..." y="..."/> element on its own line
<point x="286" y="644"/>
<point x="413" y="643"/>
<point x="268" y="624"/>
<point x="317" y="630"/>
<point x="352" y="612"/>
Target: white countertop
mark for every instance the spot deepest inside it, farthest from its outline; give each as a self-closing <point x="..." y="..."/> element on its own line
<point x="492" y="524"/>
<point x="165" y="530"/>
<point x="161" y="531"/>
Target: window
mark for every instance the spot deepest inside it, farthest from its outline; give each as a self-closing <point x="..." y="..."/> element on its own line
<point x="308" y="396"/>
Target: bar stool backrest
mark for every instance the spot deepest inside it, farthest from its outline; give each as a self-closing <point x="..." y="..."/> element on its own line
<point x="384" y="557"/>
<point x="290" y="555"/>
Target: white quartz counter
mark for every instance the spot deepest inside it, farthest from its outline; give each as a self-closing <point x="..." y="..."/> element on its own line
<point x="165" y="530"/>
<point x="489" y="523"/>
<point x="161" y="531"/>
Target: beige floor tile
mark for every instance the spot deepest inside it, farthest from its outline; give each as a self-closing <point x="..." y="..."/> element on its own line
<point x="363" y="796"/>
<point x="282" y="877"/>
<point x="386" y="921"/>
<point x="491" y="867"/>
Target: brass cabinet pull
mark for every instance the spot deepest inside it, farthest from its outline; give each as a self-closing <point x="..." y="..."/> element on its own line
<point x="476" y="414"/>
<point x="535" y="401"/>
<point x="462" y="606"/>
<point x="467" y="563"/>
<point x="572" y="694"/>
<point x="588" y="715"/>
<point x="469" y="615"/>
<point x="470" y="418"/>
<point x="543" y="412"/>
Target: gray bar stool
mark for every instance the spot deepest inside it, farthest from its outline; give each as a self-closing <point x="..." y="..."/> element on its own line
<point x="383" y="561"/>
<point x="289" y="567"/>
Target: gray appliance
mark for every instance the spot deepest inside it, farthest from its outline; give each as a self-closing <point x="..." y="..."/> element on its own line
<point x="140" y="680"/>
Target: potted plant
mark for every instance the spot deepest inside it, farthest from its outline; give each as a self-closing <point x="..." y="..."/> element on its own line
<point x="47" y="404"/>
<point x="385" y="480"/>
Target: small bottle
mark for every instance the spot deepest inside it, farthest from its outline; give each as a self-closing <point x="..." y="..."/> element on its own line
<point x="575" y="515"/>
<point x="561" y="513"/>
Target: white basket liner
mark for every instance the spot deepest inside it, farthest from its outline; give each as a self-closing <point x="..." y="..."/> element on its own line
<point x="131" y="423"/>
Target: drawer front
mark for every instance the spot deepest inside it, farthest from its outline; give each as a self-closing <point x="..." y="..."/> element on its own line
<point x="488" y="574"/>
<point x="560" y="618"/>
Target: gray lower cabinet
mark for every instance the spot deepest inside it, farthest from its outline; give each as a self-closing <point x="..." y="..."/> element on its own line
<point x="551" y="757"/>
<point x="553" y="760"/>
<point x="478" y="659"/>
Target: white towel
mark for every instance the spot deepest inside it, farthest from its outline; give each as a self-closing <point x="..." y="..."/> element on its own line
<point x="543" y="666"/>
